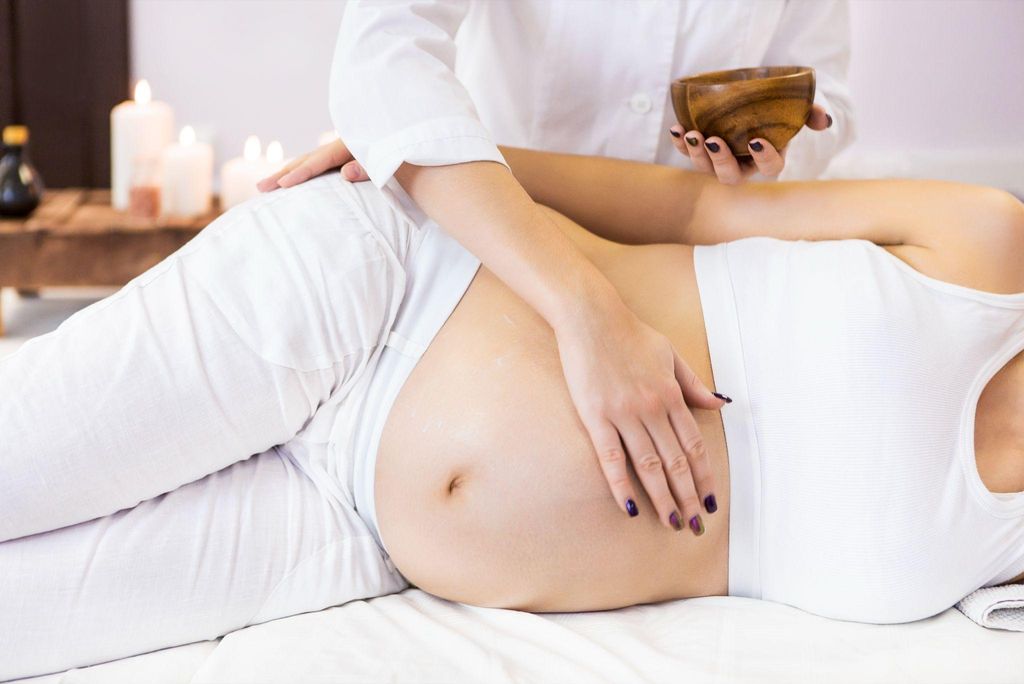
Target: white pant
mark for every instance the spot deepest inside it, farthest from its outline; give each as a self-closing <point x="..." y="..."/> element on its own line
<point x="244" y="342"/>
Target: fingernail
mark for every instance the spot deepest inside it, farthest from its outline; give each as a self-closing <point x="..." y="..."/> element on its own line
<point x="675" y="134"/>
<point x="721" y="396"/>
<point x="756" y="146"/>
<point x="713" y="146"/>
<point x="697" y="525"/>
<point x="710" y="503"/>
<point x="692" y="141"/>
<point x="674" y="520"/>
<point x="828" y="117"/>
<point x="631" y="508"/>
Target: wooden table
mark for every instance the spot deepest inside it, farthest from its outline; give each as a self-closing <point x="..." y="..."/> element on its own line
<point x="75" y="237"/>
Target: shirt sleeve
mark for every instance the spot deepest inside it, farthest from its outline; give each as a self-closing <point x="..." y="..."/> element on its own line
<point x="394" y="96"/>
<point x="816" y="33"/>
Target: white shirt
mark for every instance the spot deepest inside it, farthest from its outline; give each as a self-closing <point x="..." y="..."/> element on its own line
<point x="435" y="82"/>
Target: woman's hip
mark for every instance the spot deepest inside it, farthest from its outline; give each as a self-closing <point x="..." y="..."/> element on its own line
<point x="226" y="348"/>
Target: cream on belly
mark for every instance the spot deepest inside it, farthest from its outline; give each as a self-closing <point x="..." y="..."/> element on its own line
<point x="487" y="489"/>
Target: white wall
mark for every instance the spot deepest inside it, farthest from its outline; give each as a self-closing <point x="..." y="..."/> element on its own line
<point x="232" y="68"/>
<point x="939" y="90"/>
<point x="939" y="85"/>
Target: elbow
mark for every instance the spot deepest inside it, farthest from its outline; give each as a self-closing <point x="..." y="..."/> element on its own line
<point x="1013" y="219"/>
<point x="997" y="222"/>
<point x="1005" y="215"/>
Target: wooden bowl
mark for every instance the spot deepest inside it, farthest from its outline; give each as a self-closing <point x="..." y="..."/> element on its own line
<point x="739" y="104"/>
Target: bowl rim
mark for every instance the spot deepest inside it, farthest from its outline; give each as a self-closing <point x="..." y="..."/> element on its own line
<point x="801" y="72"/>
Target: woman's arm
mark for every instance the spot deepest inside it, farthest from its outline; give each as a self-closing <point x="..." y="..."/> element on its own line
<point x="415" y="124"/>
<point x="965" y="234"/>
<point x="394" y="96"/>
<point x="623" y="376"/>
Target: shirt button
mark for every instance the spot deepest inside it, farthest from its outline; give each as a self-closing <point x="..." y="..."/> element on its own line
<point x="640" y="103"/>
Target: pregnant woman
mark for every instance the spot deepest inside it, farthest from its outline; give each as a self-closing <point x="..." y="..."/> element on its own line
<point x="324" y="398"/>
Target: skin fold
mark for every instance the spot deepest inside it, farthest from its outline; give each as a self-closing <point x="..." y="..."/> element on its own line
<point x="487" y="486"/>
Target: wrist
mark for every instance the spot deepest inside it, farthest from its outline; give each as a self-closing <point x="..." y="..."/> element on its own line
<point x="591" y="306"/>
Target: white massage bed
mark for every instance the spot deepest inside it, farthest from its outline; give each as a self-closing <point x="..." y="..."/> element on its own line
<point x="414" y="637"/>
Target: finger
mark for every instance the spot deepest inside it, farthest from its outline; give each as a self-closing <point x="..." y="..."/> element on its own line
<point x="695" y="392"/>
<point x="819" y="119"/>
<point x="677" y="140"/>
<point x="747" y="167"/>
<point x="702" y="477"/>
<point x="698" y="155"/>
<point x="310" y="167"/>
<point x="726" y="167"/>
<point x="323" y="158"/>
<point x="768" y="161"/>
<point x="354" y="172"/>
<point x="678" y="468"/>
<point x="271" y="182"/>
<point x="649" y="470"/>
<point x="612" y="458"/>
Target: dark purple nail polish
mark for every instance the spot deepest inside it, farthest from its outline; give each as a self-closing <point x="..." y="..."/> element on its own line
<point x="674" y="520"/>
<point x="756" y="146"/>
<point x="721" y="396"/>
<point x="675" y="134"/>
<point x="713" y="146"/>
<point x="692" y="141"/>
<point x="710" y="503"/>
<point x="631" y="508"/>
<point x="697" y="525"/>
<point x="828" y="117"/>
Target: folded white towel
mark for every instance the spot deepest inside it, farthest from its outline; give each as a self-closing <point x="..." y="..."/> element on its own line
<point x="1000" y="607"/>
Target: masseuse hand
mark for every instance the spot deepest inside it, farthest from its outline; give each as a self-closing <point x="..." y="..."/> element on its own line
<point x="627" y="382"/>
<point x="713" y="155"/>
<point x="324" y="158"/>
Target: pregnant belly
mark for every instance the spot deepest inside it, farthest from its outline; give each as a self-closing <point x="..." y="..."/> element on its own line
<point x="488" y="491"/>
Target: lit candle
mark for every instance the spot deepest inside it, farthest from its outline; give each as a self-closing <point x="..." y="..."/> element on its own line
<point x="187" y="176"/>
<point x="238" y="177"/>
<point x="275" y="155"/>
<point x="139" y="131"/>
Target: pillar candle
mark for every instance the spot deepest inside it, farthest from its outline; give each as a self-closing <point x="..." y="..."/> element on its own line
<point x="139" y="130"/>
<point x="238" y="177"/>
<point x="187" y="176"/>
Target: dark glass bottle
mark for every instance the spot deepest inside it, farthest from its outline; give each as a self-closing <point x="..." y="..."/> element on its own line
<point x="20" y="185"/>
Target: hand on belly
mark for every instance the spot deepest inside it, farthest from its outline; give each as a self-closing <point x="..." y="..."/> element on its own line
<point x="488" y="491"/>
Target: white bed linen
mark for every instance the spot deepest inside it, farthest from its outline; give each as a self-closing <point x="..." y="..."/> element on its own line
<point x="414" y="637"/>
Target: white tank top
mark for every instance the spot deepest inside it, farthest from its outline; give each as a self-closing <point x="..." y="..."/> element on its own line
<point x="855" y="491"/>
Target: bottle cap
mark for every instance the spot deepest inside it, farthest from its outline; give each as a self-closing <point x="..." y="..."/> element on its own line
<point x="15" y="135"/>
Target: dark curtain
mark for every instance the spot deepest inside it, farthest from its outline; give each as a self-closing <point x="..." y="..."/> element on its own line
<point x="63" y="66"/>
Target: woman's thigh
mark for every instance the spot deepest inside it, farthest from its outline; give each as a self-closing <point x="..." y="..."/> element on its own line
<point x="253" y="542"/>
<point x="223" y="350"/>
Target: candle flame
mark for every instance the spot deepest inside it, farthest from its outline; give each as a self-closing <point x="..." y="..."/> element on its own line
<point x="275" y="153"/>
<point x="187" y="136"/>
<point x="252" y="148"/>
<point x="142" y="92"/>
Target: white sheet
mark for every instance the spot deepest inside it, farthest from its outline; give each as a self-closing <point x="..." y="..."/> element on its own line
<point x="414" y="637"/>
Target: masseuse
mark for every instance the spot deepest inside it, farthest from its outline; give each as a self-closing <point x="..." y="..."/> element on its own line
<point x="419" y="109"/>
